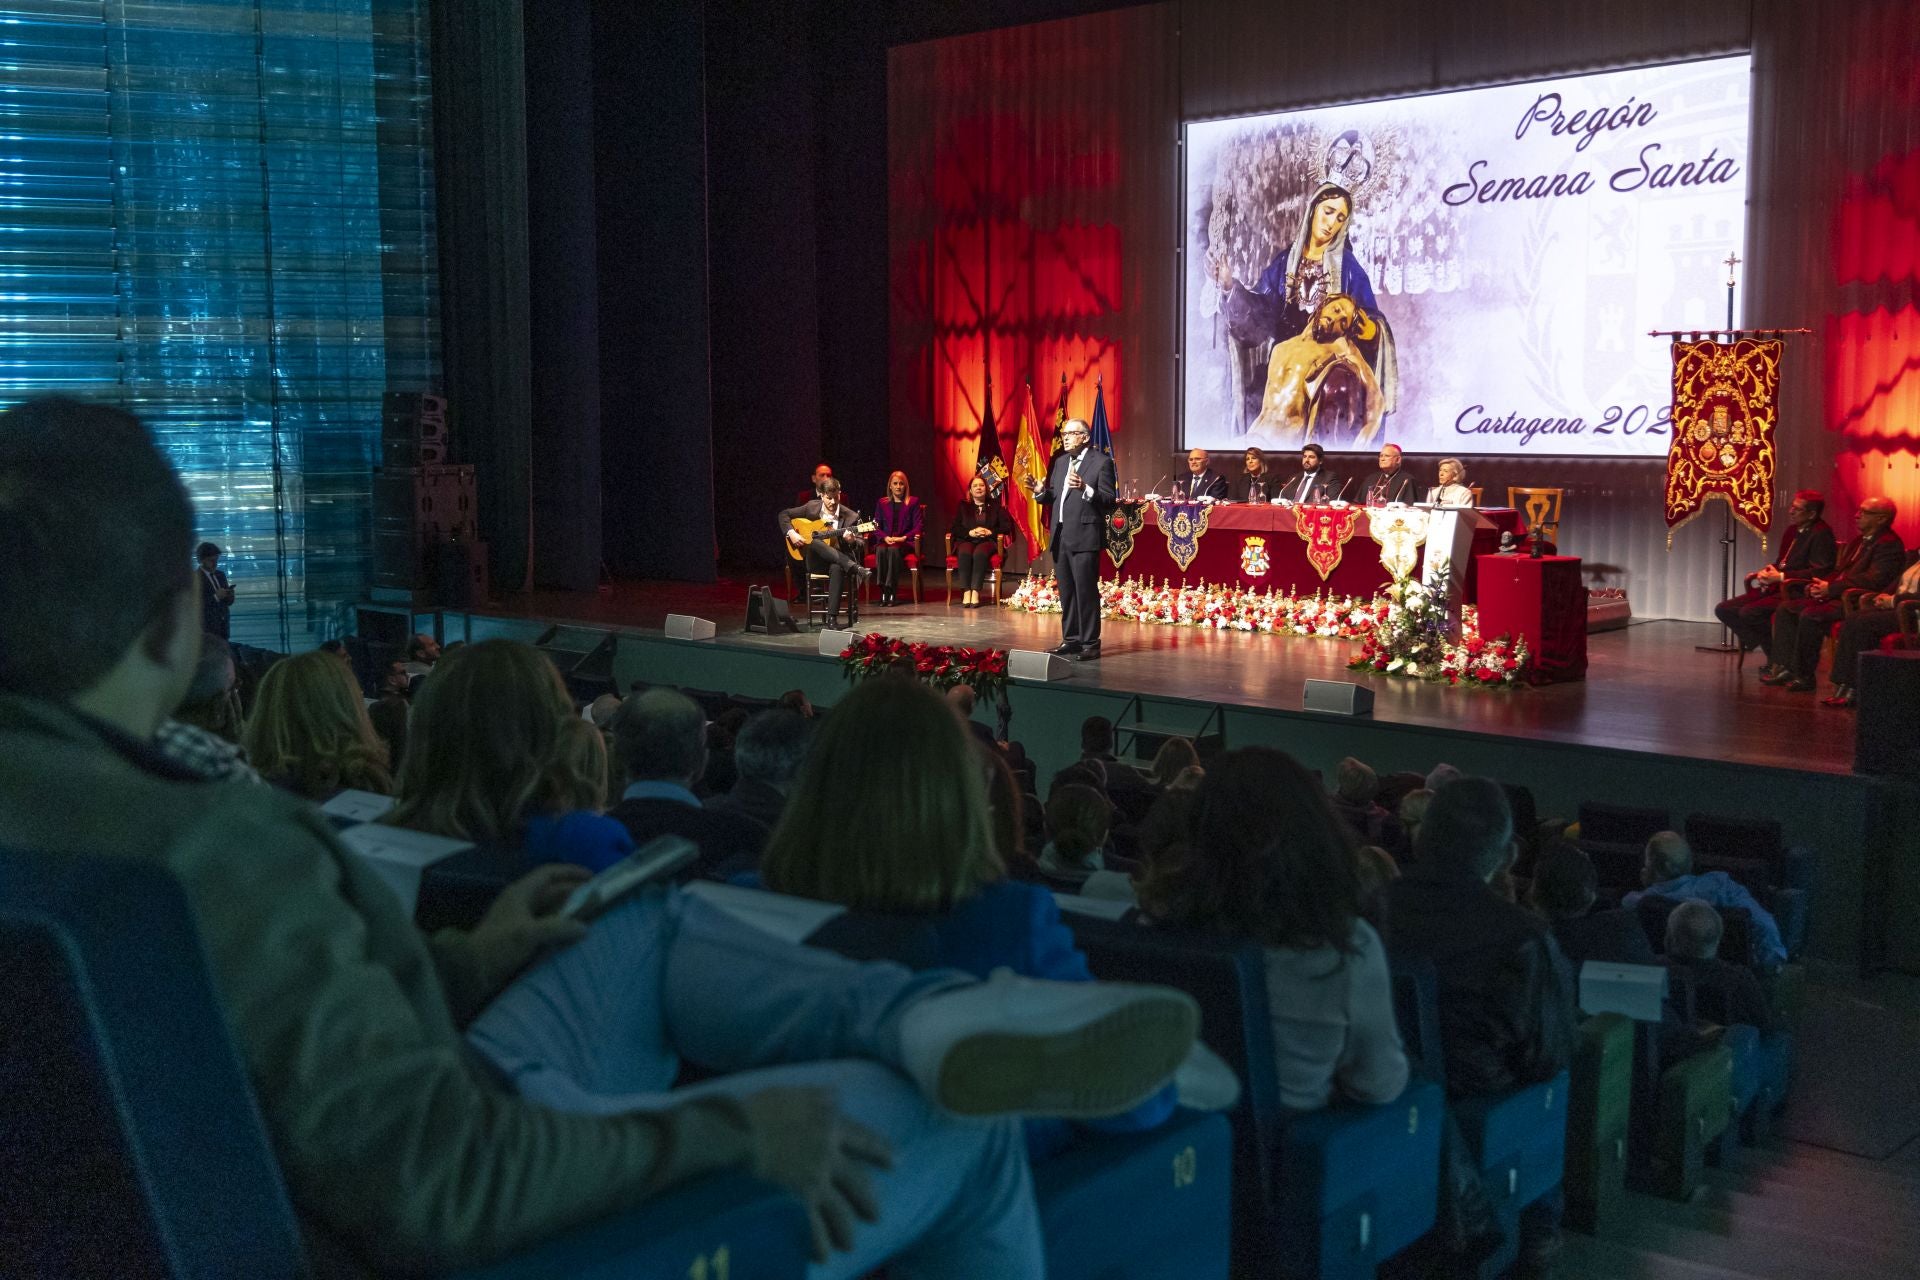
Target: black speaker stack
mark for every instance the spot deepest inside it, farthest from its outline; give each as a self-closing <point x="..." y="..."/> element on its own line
<point x="426" y="530"/>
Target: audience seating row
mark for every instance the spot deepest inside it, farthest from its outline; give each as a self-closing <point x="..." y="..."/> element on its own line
<point x="135" y="1147"/>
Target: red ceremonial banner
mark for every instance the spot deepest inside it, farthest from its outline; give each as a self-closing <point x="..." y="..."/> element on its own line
<point x="1725" y="404"/>
<point x="1325" y="530"/>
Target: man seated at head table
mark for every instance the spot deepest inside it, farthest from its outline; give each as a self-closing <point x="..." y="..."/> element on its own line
<point x="1391" y="483"/>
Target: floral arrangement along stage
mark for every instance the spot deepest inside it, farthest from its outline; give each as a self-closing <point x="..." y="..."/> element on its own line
<point x="940" y="665"/>
<point x="1402" y="631"/>
<point x="1409" y="638"/>
<point x="1221" y="608"/>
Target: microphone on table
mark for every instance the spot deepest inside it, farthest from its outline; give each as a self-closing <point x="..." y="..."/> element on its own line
<point x="1160" y="485"/>
<point x="1343" y="490"/>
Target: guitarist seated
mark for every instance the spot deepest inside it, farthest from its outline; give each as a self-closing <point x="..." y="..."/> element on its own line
<point x="825" y="533"/>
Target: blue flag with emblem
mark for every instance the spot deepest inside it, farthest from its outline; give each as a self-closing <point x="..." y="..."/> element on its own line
<point x="1100" y="430"/>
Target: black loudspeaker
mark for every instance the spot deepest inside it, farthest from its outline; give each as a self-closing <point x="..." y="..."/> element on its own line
<point x="1337" y="697"/>
<point x="460" y="574"/>
<point x="1029" y="664"/>
<point x="415" y="508"/>
<point x="413" y="429"/>
<point x="768" y="614"/>
<point x="1886" y="728"/>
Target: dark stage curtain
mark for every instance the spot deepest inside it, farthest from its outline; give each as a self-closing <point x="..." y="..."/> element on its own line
<point x="1059" y="139"/>
<point x="479" y="111"/>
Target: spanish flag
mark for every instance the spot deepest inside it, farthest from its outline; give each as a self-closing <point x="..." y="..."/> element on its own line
<point x="1030" y="460"/>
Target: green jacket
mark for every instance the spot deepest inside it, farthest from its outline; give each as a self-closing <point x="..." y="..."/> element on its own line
<point x="399" y="1153"/>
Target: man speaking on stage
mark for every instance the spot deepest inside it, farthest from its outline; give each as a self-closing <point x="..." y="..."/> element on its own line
<point x="1080" y="488"/>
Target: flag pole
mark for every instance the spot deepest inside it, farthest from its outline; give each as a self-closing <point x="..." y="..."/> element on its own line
<point x="1728" y="644"/>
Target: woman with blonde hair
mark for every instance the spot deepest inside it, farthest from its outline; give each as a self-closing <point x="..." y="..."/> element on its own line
<point x="889" y="816"/>
<point x="497" y="754"/>
<point x="901" y="518"/>
<point x="309" y="730"/>
<point x="1175" y="757"/>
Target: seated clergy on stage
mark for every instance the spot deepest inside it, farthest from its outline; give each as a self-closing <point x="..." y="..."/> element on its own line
<point x="1319" y="383"/>
<point x="1255" y="481"/>
<point x="1806" y="552"/>
<point x="1878" y="618"/>
<point x="1314" y="483"/>
<point x="1871" y="562"/>
<point x="1201" y="481"/>
<point x="835" y="556"/>
<point x="1452" y="491"/>
<point x="1390" y="483"/>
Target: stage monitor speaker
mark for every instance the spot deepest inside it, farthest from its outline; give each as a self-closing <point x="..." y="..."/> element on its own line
<point x="1886" y="733"/>
<point x="1337" y="697"/>
<point x="681" y="626"/>
<point x="832" y="642"/>
<point x="1033" y="664"/>
<point x="768" y="614"/>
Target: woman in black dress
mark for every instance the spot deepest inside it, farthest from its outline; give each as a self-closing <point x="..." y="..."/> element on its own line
<point x="976" y="531"/>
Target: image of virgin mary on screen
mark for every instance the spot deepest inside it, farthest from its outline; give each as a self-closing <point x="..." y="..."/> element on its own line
<point x="1261" y="316"/>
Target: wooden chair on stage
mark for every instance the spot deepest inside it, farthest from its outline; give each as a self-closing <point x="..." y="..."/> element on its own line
<point x="1538" y="507"/>
<point x="1476" y="493"/>
<point x="993" y="578"/>
<point x="816" y="585"/>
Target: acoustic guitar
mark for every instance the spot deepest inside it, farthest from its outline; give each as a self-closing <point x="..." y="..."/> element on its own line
<point x="820" y="530"/>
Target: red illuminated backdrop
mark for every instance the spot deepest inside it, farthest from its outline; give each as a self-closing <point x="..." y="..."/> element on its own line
<point x="1034" y="208"/>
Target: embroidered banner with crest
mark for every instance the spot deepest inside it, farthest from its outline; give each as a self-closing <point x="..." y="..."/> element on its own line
<point x="1325" y="530"/>
<point x="1128" y="519"/>
<point x="1725" y="404"/>
<point x="1399" y="531"/>
<point x="1183" y="523"/>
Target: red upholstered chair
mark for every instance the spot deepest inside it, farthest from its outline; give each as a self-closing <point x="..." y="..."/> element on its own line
<point x="913" y="562"/>
<point x="993" y="578"/>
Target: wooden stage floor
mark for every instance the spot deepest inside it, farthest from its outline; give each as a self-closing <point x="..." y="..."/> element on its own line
<point x="1647" y="690"/>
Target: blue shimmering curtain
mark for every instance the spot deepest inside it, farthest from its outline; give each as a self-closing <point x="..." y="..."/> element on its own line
<point x="220" y="215"/>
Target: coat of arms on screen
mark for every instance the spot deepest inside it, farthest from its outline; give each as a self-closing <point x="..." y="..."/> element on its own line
<point x="1253" y="557"/>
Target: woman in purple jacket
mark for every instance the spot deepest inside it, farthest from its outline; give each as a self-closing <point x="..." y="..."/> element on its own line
<point x="901" y="516"/>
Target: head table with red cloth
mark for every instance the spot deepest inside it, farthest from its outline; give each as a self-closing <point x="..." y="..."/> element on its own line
<point x="1260" y="545"/>
<point x="1544" y="600"/>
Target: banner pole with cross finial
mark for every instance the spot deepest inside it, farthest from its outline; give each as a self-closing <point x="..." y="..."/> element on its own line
<point x="1729" y="643"/>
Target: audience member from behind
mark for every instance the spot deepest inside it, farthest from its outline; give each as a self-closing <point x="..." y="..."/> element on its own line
<point x="1565" y="887"/>
<point x="1268" y="862"/>
<point x="927" y="853"/>
<point x="399" y="1154"/>
<point x="661" y="738"/>
<point x="1354" y="787"/>
<point x="963" y="700"/>
<point x="205" y="729"/>
<point x="1078" y="819"/>
<point x="1506" y="1002"/>
<point x="1175" y="757"/>
<point x="1376" y="869"/>
<point x="1413" y="811"/>
<point x="1727" y="991"/>
<point x="1506" y="998"/>
<point x="1668" y="872"/>
<point x="388" y="715"/>
<point x="309" y="730"/>
<point x="767" y="755"/>
<point x="496" y="755"/>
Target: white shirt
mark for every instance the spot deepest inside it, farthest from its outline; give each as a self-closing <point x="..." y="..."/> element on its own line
<point x="1333" y="1027"/>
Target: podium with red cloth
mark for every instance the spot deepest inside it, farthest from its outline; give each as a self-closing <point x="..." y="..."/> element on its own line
<point x="1544" y="600"/>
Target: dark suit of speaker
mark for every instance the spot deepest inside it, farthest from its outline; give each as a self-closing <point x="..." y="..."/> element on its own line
<point x="1079" y="534"/>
